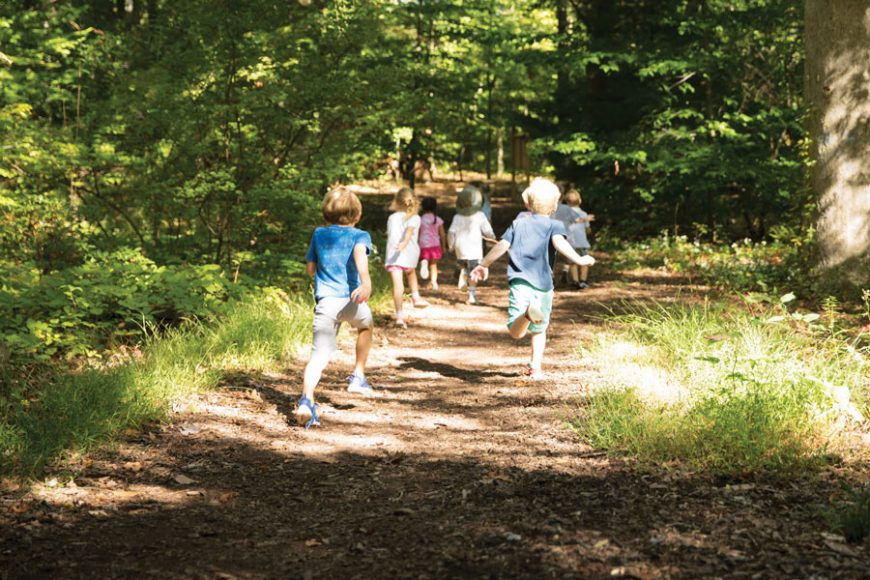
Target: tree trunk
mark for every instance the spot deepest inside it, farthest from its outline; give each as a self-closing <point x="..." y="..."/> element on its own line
<point x="499" y="159"/>
<point x="838" y="94"/>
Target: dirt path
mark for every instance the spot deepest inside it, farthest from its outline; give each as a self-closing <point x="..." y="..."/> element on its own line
<point x="459" y="469"/>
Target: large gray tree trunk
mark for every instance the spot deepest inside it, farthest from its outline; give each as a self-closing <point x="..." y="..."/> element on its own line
<point x="838" y="93"/>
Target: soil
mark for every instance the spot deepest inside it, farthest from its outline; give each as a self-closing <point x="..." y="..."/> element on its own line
<point x="457" y="468"/>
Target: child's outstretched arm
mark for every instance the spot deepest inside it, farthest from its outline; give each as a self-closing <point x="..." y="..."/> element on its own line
<point x="311" y="268"/>
<point x="364" y="290"/>
<point x="482" y="271"/>
<point x="563" y="247"/>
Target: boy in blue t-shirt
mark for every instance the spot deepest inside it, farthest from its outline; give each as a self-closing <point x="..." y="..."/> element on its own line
<point x="338" y="259"/>
<point x="532" y="243"/>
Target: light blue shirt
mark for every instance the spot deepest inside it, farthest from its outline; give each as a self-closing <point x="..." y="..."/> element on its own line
<point x="331" y="249"/>
<point x="532" y="252"/>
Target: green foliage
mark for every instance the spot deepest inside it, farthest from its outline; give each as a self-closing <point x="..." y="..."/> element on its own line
<point x="727" y="390"/>
<point x="679" y="114"/>
<point x="851" y="516"/>
<point x="766" y="266"/>
<point x="73" y="411"/>
<point x="109" y="298"/>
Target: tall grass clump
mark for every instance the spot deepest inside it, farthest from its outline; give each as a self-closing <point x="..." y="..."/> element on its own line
<point x="721" y="388"/>
<point x="76" y="410"/>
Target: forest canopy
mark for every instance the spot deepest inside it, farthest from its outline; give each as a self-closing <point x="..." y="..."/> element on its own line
<point x="156" y="155"/>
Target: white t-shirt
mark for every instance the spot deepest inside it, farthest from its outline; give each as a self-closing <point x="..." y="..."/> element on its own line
<point x="466" y="235"/>
<point x="396" y="226"/>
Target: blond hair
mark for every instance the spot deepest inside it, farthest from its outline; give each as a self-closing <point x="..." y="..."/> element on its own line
<point x="572" y="198"/>
<point x="341" y="206"/>
<point x="541" y="196"/>
<point x="405" y="201"/>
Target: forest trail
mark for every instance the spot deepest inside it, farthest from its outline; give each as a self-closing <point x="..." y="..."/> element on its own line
<point x="458" y="468"/>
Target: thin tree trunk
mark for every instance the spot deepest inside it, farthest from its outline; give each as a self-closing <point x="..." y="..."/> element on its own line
<point x="499" y="159"/>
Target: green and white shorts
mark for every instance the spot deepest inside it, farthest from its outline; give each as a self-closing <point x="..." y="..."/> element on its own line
<point x="521" y="295"/>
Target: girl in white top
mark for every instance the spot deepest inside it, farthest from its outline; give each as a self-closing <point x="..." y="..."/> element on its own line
<point x="403" y="250"/>
<point x="466" y="234"/>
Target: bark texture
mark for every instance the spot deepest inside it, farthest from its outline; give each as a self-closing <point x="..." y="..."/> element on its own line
<point x="838" y="93"/>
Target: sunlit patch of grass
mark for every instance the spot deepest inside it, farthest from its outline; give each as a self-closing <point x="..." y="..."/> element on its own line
<point x="751" y="392"/>
<point x="77" y="410"/>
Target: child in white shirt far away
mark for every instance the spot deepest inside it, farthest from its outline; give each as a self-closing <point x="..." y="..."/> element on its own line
<point x="403" y="251"/>
<point x="532" y="243"/>
<point x="466" y="234"/>
<point x="576" y="222"/>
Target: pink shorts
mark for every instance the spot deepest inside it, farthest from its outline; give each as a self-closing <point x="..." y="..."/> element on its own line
<point x="432" y="254"/>
<point x="395" y="268"/>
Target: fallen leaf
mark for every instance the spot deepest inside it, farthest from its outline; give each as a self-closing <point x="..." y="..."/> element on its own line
<point x="183" y="479"/>
<point x="312" y="543"/>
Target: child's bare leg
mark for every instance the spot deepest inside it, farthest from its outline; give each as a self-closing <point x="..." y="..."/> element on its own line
<point x="519" y="327"/>
<point x="415" y="290"/>
<point x="539" y="342"/>
<point x="363" y="346"/>
<point x="433" y="273"/>
<point x="313" y="372"/>
<point x="584" y="273"/>
<point x="398" y="290"/>
<point x="412" y="282"/>
<point x="574" y="274"/>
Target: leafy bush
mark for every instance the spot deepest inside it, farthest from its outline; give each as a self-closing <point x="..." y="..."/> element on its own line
<point x="78" y="310"/>
<point x="740" y="266"/>
<point x="743" y="392"/>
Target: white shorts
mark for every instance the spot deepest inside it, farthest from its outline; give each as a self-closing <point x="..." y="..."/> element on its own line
<point x="329" y="313"/>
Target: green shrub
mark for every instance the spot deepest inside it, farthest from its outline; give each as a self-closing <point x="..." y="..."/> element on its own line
<point x="740" y="266"/>
<point x="112" y="296"/>
<point x="750" y="392"/>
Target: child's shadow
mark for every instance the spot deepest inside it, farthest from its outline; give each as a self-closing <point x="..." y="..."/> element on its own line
<point x="447" y="370"/>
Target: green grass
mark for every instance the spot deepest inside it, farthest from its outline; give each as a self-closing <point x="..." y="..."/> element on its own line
<point x="721" y="388"/>
<point x="852" y="516"/>
<point x="64" y="412"/>
<point x="76" y="411"/>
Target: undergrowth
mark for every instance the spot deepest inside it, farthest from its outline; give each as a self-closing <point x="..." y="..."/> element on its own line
<point x="732" y="390"/>
<point x="77" y="410"/>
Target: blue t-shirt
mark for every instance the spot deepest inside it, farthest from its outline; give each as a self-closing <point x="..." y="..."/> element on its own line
<point x="331" y="249"/>
<point x="532" y="252"/>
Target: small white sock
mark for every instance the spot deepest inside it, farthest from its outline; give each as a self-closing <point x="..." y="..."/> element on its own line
<point x="400" y="314"/>
<point x="415" y="295"/>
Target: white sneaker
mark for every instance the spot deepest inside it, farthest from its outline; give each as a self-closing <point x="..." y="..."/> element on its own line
<point x="424" y="269"/>
<point x="463" y="282"/>
<point x="472" y="298"/>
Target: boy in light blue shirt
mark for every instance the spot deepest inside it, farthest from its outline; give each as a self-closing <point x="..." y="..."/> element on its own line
<point x="338" y="259"/>
<point x="531" y="243"/>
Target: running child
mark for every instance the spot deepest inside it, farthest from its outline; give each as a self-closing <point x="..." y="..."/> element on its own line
<point x="465" y="237"/>
<point x="338" y="259"/>
<point x="531" y="243"/>
<point x="576" y="223"/>
<point x="433" y="241"/>
<point x="403" y="251"/>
